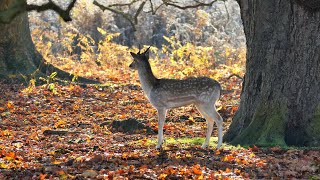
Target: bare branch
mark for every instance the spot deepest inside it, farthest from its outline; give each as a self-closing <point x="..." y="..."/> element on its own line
<point x="199" y="4"/>
<point x="125" y="4"/>
<point x="20" y="6"/>
<point x="157" y="8"/>
<point x="132" y="20"/>
<point x="153" y="11"/>
<point x="151" y="6"/>
<point x="138" y="12"/>
<point x="64" y="14"/>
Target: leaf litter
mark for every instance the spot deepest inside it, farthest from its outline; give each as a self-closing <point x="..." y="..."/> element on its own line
<point x="67" y="134"/>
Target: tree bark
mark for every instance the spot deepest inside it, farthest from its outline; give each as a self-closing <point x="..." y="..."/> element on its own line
<point x="17" y="51"/>
<point x="280" y="101"/>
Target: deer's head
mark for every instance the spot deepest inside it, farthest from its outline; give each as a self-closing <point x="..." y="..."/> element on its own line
<point x="139" y="59"/>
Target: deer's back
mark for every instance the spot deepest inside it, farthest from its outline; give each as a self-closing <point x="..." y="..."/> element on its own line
<point x="174" y="93"/>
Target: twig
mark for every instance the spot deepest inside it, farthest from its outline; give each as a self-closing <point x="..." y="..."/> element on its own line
<point x="153" y="11"/>
<point x="199" y="4"/>
<point x="20" y="6"/>
<point x="139" y="11"/>
<point x="123" y="14"/>
<point x="125" y="4"/>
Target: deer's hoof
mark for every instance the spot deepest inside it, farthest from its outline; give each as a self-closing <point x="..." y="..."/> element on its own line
<point x="204" y="146"/>
<point x="159" y="147"/>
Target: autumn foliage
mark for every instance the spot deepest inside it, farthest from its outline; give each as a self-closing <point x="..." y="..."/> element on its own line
<point x="64" y="131"/>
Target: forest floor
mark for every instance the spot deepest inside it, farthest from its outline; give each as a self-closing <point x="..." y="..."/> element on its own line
<point x="65" y="132"/>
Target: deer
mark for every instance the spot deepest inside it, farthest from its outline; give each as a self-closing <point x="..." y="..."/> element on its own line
<point x="165" y="94"/>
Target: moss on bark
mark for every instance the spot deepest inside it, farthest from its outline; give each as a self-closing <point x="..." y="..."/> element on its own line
<point x="313" y="129"/>
<point x="266" y="128"/>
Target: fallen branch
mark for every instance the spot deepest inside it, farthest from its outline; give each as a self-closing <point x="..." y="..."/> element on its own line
<point x="235" y="75"/>
<point x="56" y="132"/>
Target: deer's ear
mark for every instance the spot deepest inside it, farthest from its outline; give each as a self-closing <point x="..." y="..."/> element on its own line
<point x="133" y="54"/>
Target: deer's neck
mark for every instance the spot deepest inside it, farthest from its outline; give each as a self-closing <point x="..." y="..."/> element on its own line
<point x="147" y="78"/>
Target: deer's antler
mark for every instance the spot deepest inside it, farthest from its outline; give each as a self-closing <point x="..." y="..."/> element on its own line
<point x="147" y="49"/>
<point x="139" y="46"/>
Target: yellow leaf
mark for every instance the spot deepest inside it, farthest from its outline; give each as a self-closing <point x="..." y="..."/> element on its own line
<point x="103" y="32"/>
<point x="4" y="166"/>
<point x="162" y="176"/>
<point x="199" y="177"/>
<point x="60" y="123"/>
<point x="56" y="162"/>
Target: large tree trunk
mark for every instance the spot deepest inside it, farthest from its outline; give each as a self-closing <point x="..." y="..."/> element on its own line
<point x="17" y="51"/>
<point x="18" y="57"/>
<point x="280" y="102"/>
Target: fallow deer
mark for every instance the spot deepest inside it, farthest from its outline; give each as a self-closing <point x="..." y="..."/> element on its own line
<point x="165" y="94"/>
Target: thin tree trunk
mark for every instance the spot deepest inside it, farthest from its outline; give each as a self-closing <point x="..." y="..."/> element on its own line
<point x="280" y="102"/>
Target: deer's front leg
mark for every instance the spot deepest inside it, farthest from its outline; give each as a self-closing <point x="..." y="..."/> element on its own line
<point x="161" y="120"/>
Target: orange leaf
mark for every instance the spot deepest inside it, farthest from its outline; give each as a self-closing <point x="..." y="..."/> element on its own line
<point x="11" y="155"/>
<point x="234" y="108"/>
<point x="42" y="176"/>
<point x="122" y="116"/>
<point x="255" y="148"/>
<point x="10" y="105"/>
<point x="244" y="162"/>
<point x="131" y="169"/>
<point x="228" y="170"/>
<point x="260" y="163"/>
<point x="120" y="171"/>
<point x="196" y="169"/>
<point x="166" y="126"/>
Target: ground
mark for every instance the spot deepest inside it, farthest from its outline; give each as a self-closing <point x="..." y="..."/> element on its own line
<point x="65" y="132"/>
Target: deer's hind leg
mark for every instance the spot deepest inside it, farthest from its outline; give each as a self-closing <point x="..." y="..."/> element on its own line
<point x="208" y="110"/>
<point x="161" y="119"/>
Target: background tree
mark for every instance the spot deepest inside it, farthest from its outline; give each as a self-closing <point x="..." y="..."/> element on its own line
<point x="281" y="91"/>
<point x="18" y="56"/>
<point x="17" y="51"/>
<point x="129" y="12"/>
